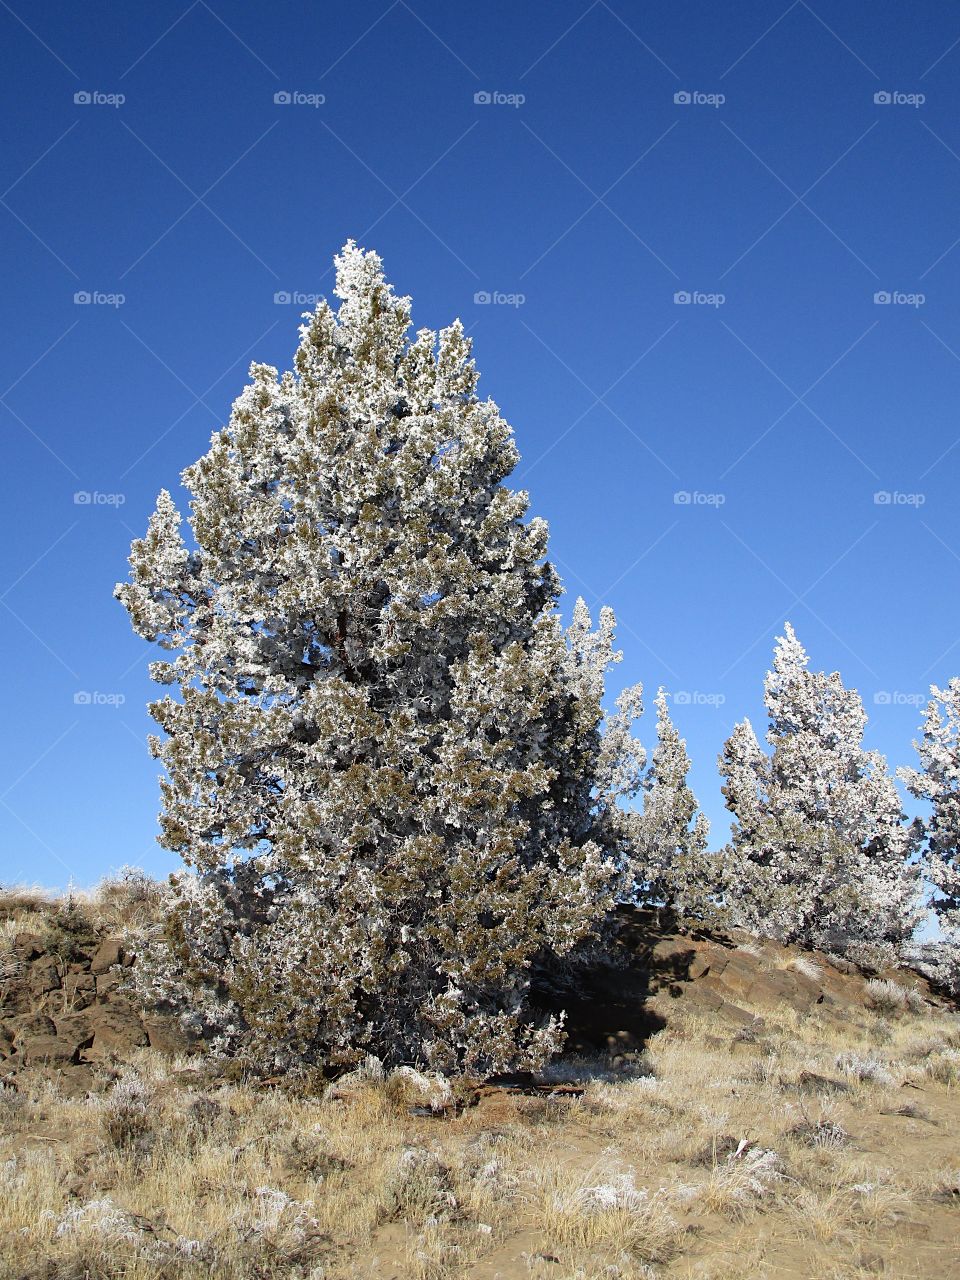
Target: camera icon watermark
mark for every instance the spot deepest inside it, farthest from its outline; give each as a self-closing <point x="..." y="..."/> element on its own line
<point x="698" y="698"/>
<point x="94" y="298"/>
<point x="696" y="298"/>
<point x="294" y="297"/>
<point x="494" y="298"/>
<point x="494" y="98"/>
<point x="894" y="498"/>
<point x="695" y="98"/>
<point x="897" y="698"/>
<point x="296" y="98"/>
<point x="894" y="98"/>
<point x="896" y="298"/>
<point x="95" y="98"/>
<point x="85" y="698"/>
<point x="94" y="498"/>
<point x="694" y="498"/>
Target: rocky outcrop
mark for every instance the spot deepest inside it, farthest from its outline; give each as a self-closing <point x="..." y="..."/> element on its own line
<point x="658" y="971"/>
<point x="67" y="1016"/>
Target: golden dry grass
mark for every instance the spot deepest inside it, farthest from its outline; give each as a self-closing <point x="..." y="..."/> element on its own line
<point x="161" y="1174"/>
<point x="800" y="1148"/>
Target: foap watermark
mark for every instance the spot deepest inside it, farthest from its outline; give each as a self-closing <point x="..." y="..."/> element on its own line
<point x="896" y="298"/>
<point x="894" y="498"/>
<point x="92" y="698"/>
<point x="696" y="298"/>
<point x="698" y="698"/>
<point x="494" y="98"/>
<point x="96" y="298"/>
<point x="695" y="98"/>
<point x="694" y="498"/>
<point x="86" y="498"/>
<point x="297" y="98"/>
<point x="894" y="98"/>
<point x="96" y="98"/>
<point x="897" y="698"/>
<point x="494" y="298"/>
<point x="293" y="297"/>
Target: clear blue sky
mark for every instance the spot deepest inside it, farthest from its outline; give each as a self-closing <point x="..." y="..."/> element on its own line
<point x="598" y="198"/>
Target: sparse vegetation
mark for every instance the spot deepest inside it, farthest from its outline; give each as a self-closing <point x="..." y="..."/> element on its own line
<point x="792" y="1143"/>
<point x="890" y="998"/>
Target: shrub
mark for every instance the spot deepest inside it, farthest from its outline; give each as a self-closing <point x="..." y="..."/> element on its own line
<point x="890" y="998"/>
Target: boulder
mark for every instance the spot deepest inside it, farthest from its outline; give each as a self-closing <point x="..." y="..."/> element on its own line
<point x="45" y="975"/>
<point x="79" y="989"/>
<point x="116" y="1029"/>
<point x="73" y="1080"/>
<point x="76" y="1027"/>
<point x="107" y="982"/>
<point x="35" y="1024"/>
<point x="782" y="988"/>
<point x="738" y="976"/>
<point x="28" y="946"/>
<point x="166" y="1036"/>
<point x="107" y="955"/>
<point x="700" y="966"/>
<point x="740" y="1017"/>
<point x="54" y="1050"/>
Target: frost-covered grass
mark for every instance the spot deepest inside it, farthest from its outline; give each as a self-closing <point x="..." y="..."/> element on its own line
<point x="890" y="998"/>
<point x="163" y="1173"/>
<point x="710" y="1154"/>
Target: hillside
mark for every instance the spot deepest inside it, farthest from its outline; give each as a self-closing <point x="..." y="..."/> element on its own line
<point x="725" y="1108"/>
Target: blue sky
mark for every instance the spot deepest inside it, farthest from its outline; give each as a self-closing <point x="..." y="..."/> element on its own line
<point x="582" y="197"/>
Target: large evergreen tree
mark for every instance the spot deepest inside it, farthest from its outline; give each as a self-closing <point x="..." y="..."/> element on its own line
<point x="382" y="767"/>
<point x="820" y="851"/>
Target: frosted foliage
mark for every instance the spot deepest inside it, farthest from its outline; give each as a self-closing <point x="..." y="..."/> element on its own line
<point x="671" y="866"/>
<point x="820" y="852"/>
<point x="603" y="747"/>
<point x="384" y="765"/>
<point x="938" y="782"/>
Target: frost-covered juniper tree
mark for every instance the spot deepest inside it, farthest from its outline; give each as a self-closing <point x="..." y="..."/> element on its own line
<point x="385" y="765"/>
<point x="669" y="838"/>
<point x="820" y="852"/>
<point x="938" y="781"/>
<point x="615" y="760"/>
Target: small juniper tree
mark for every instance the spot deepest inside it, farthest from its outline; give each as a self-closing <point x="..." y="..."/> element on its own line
<point x="820" y="853"/>
<point x="938" y="782"/>
<point x="614" y="761"/>
<point x="669" y="838"/>
<point x="385" y="766"/>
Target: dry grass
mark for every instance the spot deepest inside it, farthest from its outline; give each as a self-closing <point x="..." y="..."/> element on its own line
<point x="890" y="998"/>
<point x="808" y="1147"/>
<point x="159" y="1177"/>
